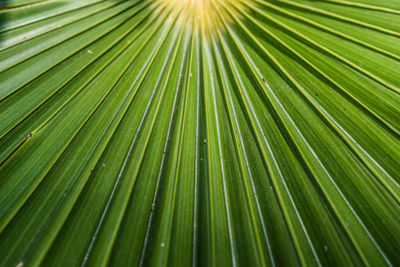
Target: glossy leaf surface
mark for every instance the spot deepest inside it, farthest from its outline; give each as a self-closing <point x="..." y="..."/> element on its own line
<point x="204" y="133"/>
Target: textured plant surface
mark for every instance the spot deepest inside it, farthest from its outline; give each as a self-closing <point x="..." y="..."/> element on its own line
<point x="204" y="132"/>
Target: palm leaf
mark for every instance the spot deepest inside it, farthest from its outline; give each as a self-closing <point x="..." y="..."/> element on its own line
<point x="210" y="133"/>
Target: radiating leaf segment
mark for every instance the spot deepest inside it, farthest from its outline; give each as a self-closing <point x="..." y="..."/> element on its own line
<point x="203" y="133"/>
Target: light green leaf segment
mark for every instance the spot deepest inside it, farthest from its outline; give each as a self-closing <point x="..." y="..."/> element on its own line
<point x="200" y="133"/>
